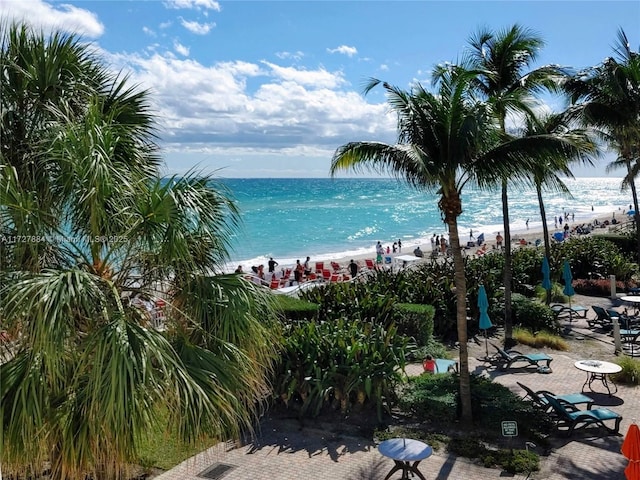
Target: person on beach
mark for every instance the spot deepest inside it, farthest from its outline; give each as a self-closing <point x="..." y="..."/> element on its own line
<point x="443" y="244"/>
<point x="239" y="269"/>
<point x="499" y="240"/>
<point x="395" y="247"/>
<point x="417" y="252"/>
<point x="272" y="265"/>
<point x="388" y="250"/>
<point x="555" y="222"/>
<point x="399" y="245"/>
<point x="298" y="271"/>
<point x="307" y="266"/>
<point x="261" y="272"/>
<point x="353" y="268"/>
<point x="527" y="223"/>
<point x="437" y="242"/>
<point x="471" y="234"/>
<point x="560" y="220"/>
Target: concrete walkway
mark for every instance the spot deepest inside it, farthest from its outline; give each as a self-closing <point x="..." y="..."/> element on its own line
<point x="283" y="450"/>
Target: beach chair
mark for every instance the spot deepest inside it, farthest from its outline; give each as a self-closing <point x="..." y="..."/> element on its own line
<point x="603" y="319"/>
<point x="275" y="283"/>
<point x="540" y="401"/>
<point x="577" y="311"/>
<point x="509" y="357"/>
<point x="326" y="275"/>
<point x="370" y="264"/>
<point x="572" y="418"/>
<point x="336" y="267"/>
<point x="334" y="278"/>
<point x="319" y="267"/>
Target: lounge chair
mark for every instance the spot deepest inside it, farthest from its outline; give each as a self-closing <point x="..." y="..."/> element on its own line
<point x="574" y="419"/>
<point x="603" y="319"/>
<point x="577" y="311"/>
<point x="539" y="400"/>
<point x="512" y="356"/>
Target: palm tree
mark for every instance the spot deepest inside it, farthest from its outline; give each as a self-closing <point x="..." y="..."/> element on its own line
<point x="500" y="61"/>
<point x="95" y="237"/>
<point x="579" y="146"/>
<point x="609" y="95"/>
<point x="445" y="141"/>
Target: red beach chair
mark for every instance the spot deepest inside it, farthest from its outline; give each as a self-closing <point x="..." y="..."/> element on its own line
<point x="335" y="266"/>
<point x="326" y="275"/>
<point x="335" y="277"/>
<point x="275" y="283"/>
<point x="370" y="264"/>
<point x="319" y="267"/>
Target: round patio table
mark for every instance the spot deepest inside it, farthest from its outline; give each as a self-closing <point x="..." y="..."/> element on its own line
<point x="403" y="451"/>
<point x="598" y="370"/>
<point x="632" y="299"/>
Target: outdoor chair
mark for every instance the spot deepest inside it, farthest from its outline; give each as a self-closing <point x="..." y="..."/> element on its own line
<point x="577" y="311"/>
<point x="509" y="357"/>
<point x="573" y="418"/>
<point x="540" y="401"/>
<point x="603" y="319"/>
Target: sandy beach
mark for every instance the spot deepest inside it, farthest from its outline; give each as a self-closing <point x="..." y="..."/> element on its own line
<point x="528" y="236"/>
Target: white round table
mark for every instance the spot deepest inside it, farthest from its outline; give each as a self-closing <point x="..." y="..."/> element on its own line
<point x="632" y="299"/>
<point x="598" y="370"/>
<point x="403" y="451"/>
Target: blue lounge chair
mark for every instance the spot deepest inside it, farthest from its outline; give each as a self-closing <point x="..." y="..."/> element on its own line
<point x="539" y="400"/>
<point x="512" y="356"/>
<point x="575" y="419"/>
<point x="577" y="311"/>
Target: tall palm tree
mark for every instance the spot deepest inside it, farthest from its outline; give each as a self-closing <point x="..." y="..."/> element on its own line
<point x="501" y="61"/>
<point x="446" y="140"/>
<point x="95" y="237"/>
<point x="609" y="95"/>
<point x="547" y="172"/>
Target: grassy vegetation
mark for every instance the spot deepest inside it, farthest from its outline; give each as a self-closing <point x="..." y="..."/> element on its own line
<point x="630" y="373"/>
<point x="540" y="339"/>
<point x="161" y="449"/>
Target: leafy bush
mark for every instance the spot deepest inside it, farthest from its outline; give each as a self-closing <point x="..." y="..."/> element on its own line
<point x="598" y="287"/>
<point x="540" y="339"/>
<point x="513" y="461"/>
<point x="433" y="348"/>
<point x="532" y="314"/>
<point x="557" y="295"/>
<point x="415" y="321"/>
<point x="630" y="373"/>
<point x="341" y="364"/>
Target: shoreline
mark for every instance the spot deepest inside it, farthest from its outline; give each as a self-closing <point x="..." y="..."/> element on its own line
<point x="529" y="235"/>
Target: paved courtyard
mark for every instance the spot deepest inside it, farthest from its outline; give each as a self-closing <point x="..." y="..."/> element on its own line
<point x="289" y="451"/>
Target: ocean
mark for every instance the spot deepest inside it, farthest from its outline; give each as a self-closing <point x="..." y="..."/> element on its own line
<point x="326" y="219"/>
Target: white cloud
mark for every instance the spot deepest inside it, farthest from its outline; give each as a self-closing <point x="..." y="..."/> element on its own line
<point x="344" y="49"/>
<point x="166" y="24"/>
<point x="193" y="4"/>
<point x="181" y="49"/>
<point x="51" y="17"/>
<point x="293" y="55"/>
<point x="384" y="67"/>
<point x="149" y="32"/>
<point x="243" y="108"/>
<point x="197" y="28"/>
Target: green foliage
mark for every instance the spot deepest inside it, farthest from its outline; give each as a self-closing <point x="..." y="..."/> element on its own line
<point x="540" y="339"/>
<point x="341" y="364"/>
<point x="415" y="321"/>
<point x="434" y="398"/>
<point x="591" y="257"/>
<point x="512" y="461"/>
<point x="630" y="373"/>
<point x="294" y="308"/>
<point x="433" y="439"/>
<point x="433" y="348"/>
<point x="557" y="295"/>
<point x="533" y="315"/>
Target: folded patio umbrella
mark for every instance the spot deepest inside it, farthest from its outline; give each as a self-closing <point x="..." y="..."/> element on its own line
<point x="485" y="323"/>
<point x="631" y="450"/>
<point x="568" y="287"/>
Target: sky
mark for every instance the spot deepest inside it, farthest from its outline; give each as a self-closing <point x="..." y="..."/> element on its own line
<point x="272" y="88"/>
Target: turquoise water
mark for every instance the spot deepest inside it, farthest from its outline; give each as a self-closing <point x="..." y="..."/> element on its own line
<point x="334" y="218"/>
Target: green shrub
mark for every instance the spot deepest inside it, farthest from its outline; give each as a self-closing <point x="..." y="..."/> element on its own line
<point x="295" y="308"/>
<point x="433" y="348"/>
<point x="415" y="321"/>
<point x="533" y="315"/>
<point x="630" y="373"/>
<point x="557" y="294"/>
<point x="513" y="461"/>
<point x="340" y="364"/>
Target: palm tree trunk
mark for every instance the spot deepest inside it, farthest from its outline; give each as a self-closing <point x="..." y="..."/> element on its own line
<point x="461" y="316"/>
<point x="545" y="233"/>
<point x="507" y="278"/>
<point x="636" y="216"/>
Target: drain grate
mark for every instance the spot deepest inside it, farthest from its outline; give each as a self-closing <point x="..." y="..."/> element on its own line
<point x="216" y="471"/>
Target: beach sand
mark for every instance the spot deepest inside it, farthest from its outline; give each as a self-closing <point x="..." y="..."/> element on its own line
<point x="530" y="236"/>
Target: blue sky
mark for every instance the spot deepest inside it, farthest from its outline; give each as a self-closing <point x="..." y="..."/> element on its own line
<point x="271" y="89"/>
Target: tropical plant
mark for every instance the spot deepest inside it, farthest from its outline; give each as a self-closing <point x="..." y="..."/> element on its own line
<point x="500" y="61"/>
<point x="97" y="249"/>
<point x="609" y="97"/>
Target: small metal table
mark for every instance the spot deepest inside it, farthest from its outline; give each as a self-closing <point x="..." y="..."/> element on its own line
<point x="634" y="300"/>
<point x="403" y="451"/>
<point x="598" y="370"/>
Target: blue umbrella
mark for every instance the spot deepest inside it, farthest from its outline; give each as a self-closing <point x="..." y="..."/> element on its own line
<point x="485" y="322"/>
<point x="546" y="274"/>
<point x="568" y="288"/>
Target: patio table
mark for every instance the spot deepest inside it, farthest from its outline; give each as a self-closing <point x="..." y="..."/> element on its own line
<point x="598" y="370"/>
<point x="403" y="451"/>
